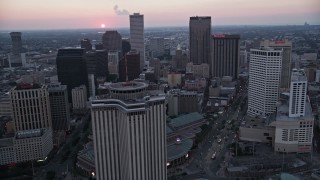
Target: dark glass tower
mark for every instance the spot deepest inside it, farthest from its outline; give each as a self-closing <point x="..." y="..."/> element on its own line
<point x="225" y="55"/>
<point x="200" y="33"/>
<point x="72" y="69"/>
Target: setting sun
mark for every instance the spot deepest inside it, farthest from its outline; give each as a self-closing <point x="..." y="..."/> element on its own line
<point x="103" y="25"/>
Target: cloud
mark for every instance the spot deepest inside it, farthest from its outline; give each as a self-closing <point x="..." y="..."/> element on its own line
<point x="120" y="12"/>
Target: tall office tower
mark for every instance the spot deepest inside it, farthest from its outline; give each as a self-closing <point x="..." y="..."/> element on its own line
<point x="129" y="66"/>
<point x="298" y="93"/>
<point x="137" y="36"/>
<point x="225" y="55"/>
<point x="180" y="59"/>
<point x="200" y="39"/>
<point x="157" y="46"/>
<point x="264" y="81"/>
<point x="286" y="46"/>
<point x="86" y="44"/>
<point x="16" y="42"/>
<point x="112" y="41"/>
<point x="72" y="69"/>
<point x="30" y="106"/>
<point x="59" y="106"/>
<point x="129" y="136"/>
<point x="113" y="62"/>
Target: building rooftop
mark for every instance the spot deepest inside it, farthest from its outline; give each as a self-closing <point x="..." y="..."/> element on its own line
<point x="125" y="86"/>
<point x="186" y="119"/>
<point x="283" y="111"/>
<point x="30" y="133"/>
<point x="177" y="150"/>
<point x="298" y="75"/>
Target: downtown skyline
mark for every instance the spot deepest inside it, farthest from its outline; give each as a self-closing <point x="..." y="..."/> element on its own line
<point x="33" y="14"/>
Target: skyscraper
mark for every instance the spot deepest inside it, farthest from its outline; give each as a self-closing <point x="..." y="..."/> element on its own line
<point x="286" y="59"/>
<point x="112" y="41"/>
<point x="86" y="44"/>
<point x="129" y="66"/>
<point x="264" y="81"/>
<point x="200" y="39"/>
<point x="157" y="46"/>
<point x="137" y="36"/>
<point x="16" y="42"/>
<point x="72" y="68"/>
<point x="129" y="133"/>
<point x="30" y="107"/>
<point x="225" y="55"/>
<point x="180" y="59"/>
<point x="59" y="106"/>
<point x="298" y="93"/>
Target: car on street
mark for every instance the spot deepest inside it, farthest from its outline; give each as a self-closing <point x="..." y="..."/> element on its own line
<point x="213" y="155"/>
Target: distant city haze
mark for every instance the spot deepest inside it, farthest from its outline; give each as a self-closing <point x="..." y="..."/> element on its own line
<point x="72" y="14"/>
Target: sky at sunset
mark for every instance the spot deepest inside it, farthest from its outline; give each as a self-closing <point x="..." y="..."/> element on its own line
<point x="72" y="14"/>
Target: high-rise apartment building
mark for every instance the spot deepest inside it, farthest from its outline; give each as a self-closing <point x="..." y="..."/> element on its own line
<point x="200" y="39"/>
<point x="112" y="41"/>
<point x="137" y="36"/>
<point x="225" y="55"/>
<point x="129" y="133"/>
<point x="16" y="42"/>
<point x="298" y="93"/>
<point x="72" y="68"/>
<point x="286" y="47"/>
<point x="129" y="66"/>
<point x="264" y="81"/>
<point x="30" y="107"/>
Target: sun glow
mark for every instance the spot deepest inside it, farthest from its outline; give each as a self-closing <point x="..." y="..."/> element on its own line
<point x="103" y="25"/>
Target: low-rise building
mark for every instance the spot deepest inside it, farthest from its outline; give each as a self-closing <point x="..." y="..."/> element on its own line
<point x="26" y="145"/>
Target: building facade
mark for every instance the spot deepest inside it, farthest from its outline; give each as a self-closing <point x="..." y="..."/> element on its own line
<point x="286" y="47"/>
<point x="121" y="150"/>
<point x="264" y="81"/>
<point x="225" y="55"/>
<point x="137" y="36"/>
<point x="113" y="62"/>
<point x="200" y="41"/>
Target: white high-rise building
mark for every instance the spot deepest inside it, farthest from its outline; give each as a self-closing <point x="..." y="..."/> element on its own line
<point x="129" y="133"/>
<point x="298" y="89"/>
<point x="294" y="120"/>
<point x="79" y="97"/>
<point x="30" y="106"/>
<point x="137" y="35"/>
<point x="264" y="81"/>
<point x="286" y="47"/>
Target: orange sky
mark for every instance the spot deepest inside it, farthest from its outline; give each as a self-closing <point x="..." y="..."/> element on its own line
<point x="65" y="14"/>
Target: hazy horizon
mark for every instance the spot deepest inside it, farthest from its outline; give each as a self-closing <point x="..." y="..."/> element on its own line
<point x="80" y="14"/>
